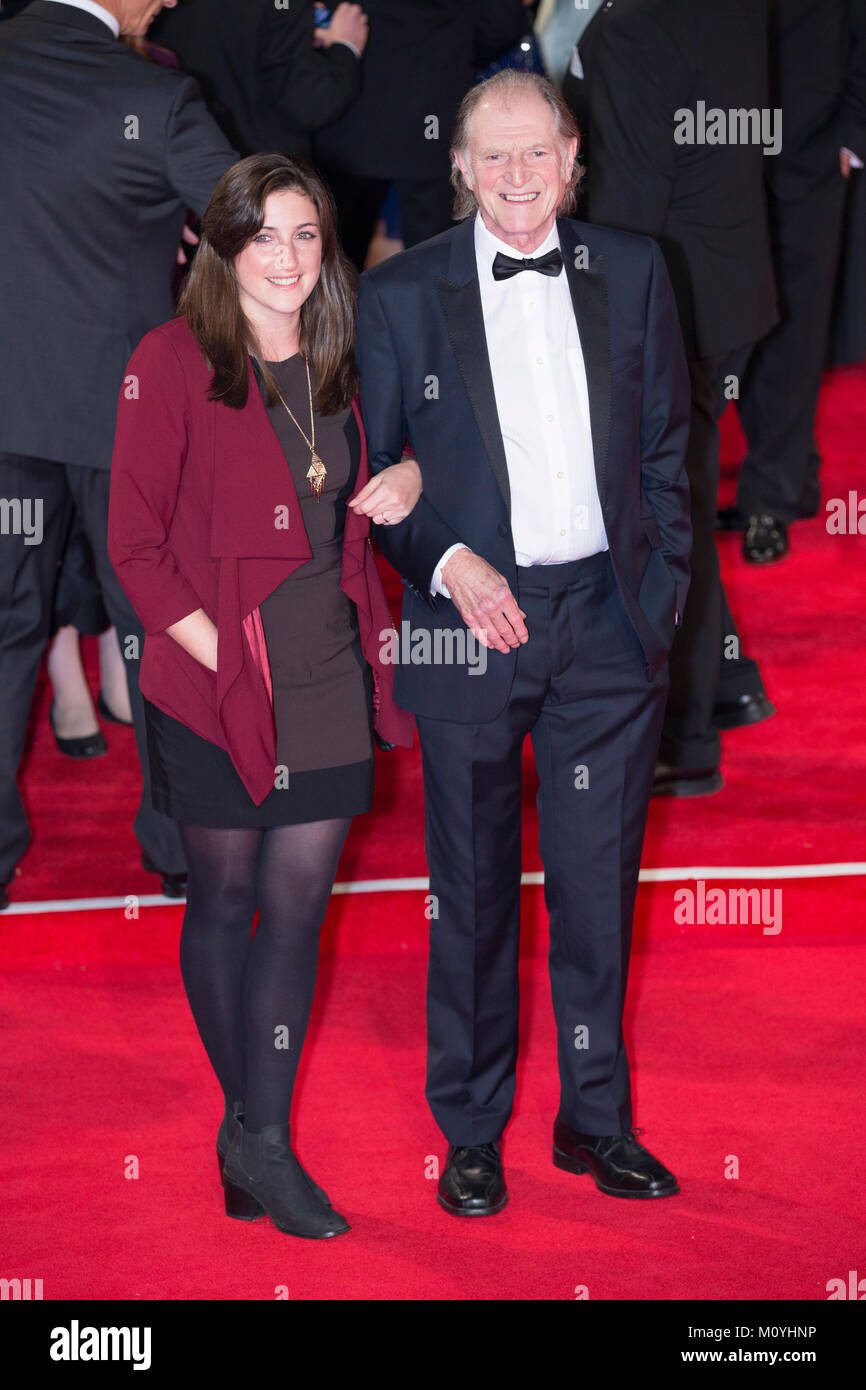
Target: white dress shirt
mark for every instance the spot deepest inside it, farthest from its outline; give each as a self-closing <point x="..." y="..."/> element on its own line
<point x="542" y="401"/>
<point x="97" y="11"/>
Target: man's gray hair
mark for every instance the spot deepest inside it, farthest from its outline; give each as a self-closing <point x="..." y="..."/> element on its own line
<point x="506" y="86"/>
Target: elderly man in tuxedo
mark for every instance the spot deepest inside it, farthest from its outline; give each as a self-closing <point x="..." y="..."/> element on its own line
<point x="535" y="365"/>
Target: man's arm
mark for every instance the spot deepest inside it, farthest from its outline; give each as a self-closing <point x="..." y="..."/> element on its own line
<point x="310" y="87"/>
<point x="414" y="546"/>
<point x="852" y="114"/>
<point x="197" y="153"/>
<point x="498" y="26"/>
<point x="634" y="75"/>
<point x="664" y="431"/>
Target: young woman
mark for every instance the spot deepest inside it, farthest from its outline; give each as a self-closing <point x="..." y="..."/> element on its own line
<point x="234" y="531"/>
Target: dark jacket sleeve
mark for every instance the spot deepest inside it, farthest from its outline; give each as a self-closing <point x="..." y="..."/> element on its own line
<point x="196" y="151"/>
<point x="150" y="446"/>
<point x="633" y="73"/>
<point x="499" y="25"/>
<point x="852" y="117"/>
<point x="310" y="86"/>
<point x="665" y="425"/>
<point x="415" y="545"/>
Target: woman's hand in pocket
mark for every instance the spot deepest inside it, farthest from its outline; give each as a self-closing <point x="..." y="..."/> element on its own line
<point x="390" y="496"/>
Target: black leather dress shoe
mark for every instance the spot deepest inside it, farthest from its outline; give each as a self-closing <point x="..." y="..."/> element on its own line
<point x="746" y="709"/>
<point x="90" y="746"/>
<point x="765" y="540"/>
<point x="686" y="781"/>
<point x="173" y="885"/>
<point x="472" y="1184"/>
<point x="618" y="1164"/>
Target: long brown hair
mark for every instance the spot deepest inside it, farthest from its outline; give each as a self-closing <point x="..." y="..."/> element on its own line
<point x="210" y="300"/>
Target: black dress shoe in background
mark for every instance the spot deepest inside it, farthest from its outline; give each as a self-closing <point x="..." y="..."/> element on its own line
<point x="685" y="781"/>
<point x="473" y="1184"/>
<point x="618" y="1164"/>
<point x="173" y="885"/>
<point x="746" y="709"/>
<point x="90" y="746"/>
<point x="765" y="540"/>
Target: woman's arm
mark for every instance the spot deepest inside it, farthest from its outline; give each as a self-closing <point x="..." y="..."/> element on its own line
<point x="390" y="496"/>
<point x="150" y="446"/>
<point x="198" y="636"/>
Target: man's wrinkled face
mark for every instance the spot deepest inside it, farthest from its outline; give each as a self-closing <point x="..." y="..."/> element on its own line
<point x="517" y="168"/>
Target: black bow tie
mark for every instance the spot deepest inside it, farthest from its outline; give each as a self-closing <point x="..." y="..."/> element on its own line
<point x="506" y="266"/>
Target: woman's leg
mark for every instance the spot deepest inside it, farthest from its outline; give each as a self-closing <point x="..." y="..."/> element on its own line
<point x="296" y="870"/>
<point x="73" y="713"/>
<point x="215" y="942"/>
<point x="112" y="676"/>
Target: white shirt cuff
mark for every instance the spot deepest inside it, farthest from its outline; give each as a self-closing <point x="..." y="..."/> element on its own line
<point x="436" y="585"/>
<point x="856" y="161"/>
<point x="356" y="51"/>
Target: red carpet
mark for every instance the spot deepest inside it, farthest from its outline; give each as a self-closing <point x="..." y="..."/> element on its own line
<point x="745" y="1046"/>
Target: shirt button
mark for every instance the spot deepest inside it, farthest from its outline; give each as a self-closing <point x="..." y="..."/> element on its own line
<point x="531" y="304"/>
<point x="562" y="533"/>
<point x="560" y="475"/>
<point x="550" y="418"/>
<point x="540" y="361"/>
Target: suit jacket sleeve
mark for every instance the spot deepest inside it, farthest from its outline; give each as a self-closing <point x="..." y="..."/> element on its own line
<point x="665" y="425"/>
<point x="499" y="25"/>
<point x="310" y="87"/>
<point x="636" y="80"/>
<point x="197" y="152"/>
<point x="852" y="117"/>
<point x="150" y="446"/>
<point x="415" y="545"/>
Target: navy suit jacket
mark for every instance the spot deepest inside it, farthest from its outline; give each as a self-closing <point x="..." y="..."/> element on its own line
<point x="426" y="378"/>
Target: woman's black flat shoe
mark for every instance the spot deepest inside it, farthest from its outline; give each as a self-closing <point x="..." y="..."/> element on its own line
<point x="107" y="714"/>
<point x="91" y="746"/>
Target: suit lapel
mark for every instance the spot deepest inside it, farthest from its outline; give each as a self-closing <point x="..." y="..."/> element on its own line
<point x="460" y="297"/>
<point x="589" y="296"/>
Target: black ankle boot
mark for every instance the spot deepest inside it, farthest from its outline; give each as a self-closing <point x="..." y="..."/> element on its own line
<point x="233" y="1113"/>
<point x="262" y="1167"/>
<point x="239" y="1204"/>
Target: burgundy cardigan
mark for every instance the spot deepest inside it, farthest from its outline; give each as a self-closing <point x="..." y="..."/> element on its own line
<point x="204" y="514"/>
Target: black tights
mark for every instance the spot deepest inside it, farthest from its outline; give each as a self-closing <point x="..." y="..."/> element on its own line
<point x="251" y="997"/>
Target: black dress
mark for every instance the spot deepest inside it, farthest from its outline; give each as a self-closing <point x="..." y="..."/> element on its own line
<point x="322" y="685"/>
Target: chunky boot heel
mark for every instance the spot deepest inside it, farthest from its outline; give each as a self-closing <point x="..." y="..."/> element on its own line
<point x="240" y="1205"/>
<point x="263" y="1167"/>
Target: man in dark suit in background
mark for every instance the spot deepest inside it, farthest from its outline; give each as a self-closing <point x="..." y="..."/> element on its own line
<point x="264" y="82"/>
<point x="420" y="60"/>
<point x="101" y="156"/>
<point x="536" y="366"/>
<point x="638" y="67"/>
<point x="818" y="80"/>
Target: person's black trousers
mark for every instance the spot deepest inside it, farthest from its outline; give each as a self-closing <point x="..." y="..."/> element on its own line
<point x="780" y="385"/>
<point x="28" y="580"/>
<point x="581" y="692"/>
<point x="706" y="663"/>
<point x="424" y="206"/>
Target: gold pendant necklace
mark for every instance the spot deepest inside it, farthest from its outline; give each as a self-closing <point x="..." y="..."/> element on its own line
<point x="317" y="472"/>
